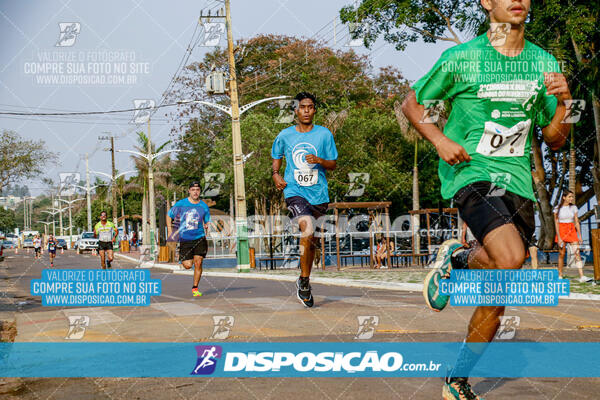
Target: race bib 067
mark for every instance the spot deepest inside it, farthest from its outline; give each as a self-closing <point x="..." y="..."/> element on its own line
<point x="500" y="141"/>
<point x="306" y="177"/>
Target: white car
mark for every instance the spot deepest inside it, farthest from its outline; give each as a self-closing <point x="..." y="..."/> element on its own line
<point x="86" y="242"/>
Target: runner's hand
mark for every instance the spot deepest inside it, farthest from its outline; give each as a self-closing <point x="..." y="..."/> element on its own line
<point x="556" y="84"/>
<point x="279" y="182"/>
<point x="451" y="152"/>
<point x="312" y="159"/>
<point x="561" y="244"/>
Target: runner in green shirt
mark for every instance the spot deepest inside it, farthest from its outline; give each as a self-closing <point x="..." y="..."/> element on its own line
<point x="499" y="86"/>
<point x="106" y="232"/>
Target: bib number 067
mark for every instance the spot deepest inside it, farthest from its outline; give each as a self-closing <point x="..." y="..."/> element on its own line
<point x="306" y="177"/>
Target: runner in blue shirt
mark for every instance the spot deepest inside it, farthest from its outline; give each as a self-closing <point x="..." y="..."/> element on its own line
<point x="52" y="244"/>
<point x="309" y="151"/>
<point x="189" y="223"/>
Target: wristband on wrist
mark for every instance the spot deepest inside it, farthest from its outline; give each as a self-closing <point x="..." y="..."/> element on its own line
<point x="275" y="173"/>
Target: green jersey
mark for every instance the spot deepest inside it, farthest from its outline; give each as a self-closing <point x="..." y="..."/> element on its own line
<point x="105" y="232"/>
<point x="495" y="101"/>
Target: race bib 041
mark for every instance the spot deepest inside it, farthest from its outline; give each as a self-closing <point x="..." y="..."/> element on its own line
<point x="500" y="141"/>
<point x="306" y="177"/>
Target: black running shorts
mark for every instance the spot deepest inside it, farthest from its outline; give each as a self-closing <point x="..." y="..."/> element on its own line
<point x="190" y="248"/>
<point x="485" y="207"/>
<point x="299" y="206"/>
<point x="105" y="245"/>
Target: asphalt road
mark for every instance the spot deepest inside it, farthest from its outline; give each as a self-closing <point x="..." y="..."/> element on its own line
<point x="266" y="311"/>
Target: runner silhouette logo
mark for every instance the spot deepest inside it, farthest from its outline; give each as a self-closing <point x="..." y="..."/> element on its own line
<point x="207" y="359"/>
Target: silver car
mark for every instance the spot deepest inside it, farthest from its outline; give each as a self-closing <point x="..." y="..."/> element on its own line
<point x="86" y="242"/>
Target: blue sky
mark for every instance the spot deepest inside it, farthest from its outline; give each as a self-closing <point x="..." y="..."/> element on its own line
<point x="153" y="35"/>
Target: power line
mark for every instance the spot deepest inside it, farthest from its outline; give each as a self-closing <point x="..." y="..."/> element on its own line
<point x="184" y="59"/>
<point x="86" y="112"/>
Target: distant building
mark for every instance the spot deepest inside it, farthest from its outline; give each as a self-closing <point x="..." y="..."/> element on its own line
<point x="10" y="202"/>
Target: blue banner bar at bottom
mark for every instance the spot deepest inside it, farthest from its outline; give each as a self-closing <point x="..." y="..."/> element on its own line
<point x="262" y="359"/>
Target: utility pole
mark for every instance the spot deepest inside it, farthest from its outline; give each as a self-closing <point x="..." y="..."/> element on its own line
<point x="87" y="191"/>
<point x="54" y="213"/>
<point x="25" y="219"/>
<point x="234" y="111"/>
<point x="114" y="173"/>
<point x="241" y="222"/>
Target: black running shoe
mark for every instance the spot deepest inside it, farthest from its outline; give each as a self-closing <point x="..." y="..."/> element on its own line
<point x="107" y="264"/>
<point x="304" y="294"/>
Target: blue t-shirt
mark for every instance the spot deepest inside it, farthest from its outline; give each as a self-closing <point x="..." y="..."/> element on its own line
<point x="304" y="179"/>
<point x="189" y="219"/>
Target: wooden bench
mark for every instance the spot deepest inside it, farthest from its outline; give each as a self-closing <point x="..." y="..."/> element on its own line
<point x="408" y="259"/>
<point x="362" y="257"/>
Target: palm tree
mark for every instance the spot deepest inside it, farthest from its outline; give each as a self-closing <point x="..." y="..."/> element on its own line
<point x="141" y="165"/>
<point x="411" y="135"/>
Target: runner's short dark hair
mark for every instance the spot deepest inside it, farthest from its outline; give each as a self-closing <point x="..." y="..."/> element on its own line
<point x="103" y="212"/>
<point x="306" y="95"/>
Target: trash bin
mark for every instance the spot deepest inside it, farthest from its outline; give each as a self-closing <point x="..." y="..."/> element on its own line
<point x="124" y="246"/>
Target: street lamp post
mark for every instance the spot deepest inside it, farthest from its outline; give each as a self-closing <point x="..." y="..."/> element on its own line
<point x="88" y="191"/>
<point x="70" y="203"/>
<point x="46" y="223"/>
<point x="241" y="222"/>
<point x="53" y="213"/>
<point x="113" y="180"/>
<point x="150" y="157"/>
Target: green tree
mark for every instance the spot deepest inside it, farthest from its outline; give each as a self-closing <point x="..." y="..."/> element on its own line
<point x="22" y="159"/>
<point x="7" y="220"/>
<point x="404" y="21"/>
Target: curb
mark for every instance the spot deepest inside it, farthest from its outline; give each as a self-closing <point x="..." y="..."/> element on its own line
<point x="400" y="286"/>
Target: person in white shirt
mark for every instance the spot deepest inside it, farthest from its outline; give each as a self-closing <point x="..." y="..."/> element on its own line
<point x="568" y="233"/>
<point x="37" y="246"/>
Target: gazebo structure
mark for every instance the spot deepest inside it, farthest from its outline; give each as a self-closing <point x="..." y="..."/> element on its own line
<point x="373" y="208"/>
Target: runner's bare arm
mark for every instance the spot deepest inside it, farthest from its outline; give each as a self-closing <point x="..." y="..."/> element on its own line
<point x="277" y="178"/>
<point x="448" y="150"/>
<point x="556" y="133"/>
<point x="327" y="164"/>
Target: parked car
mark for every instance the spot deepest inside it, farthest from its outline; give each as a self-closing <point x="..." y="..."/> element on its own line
<point x="61" y="244"/>
<point x="86" y="242"/>
<point x="9" y="244"/>
<point x="1" y="251"/>
<point x="28" y="243"/>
